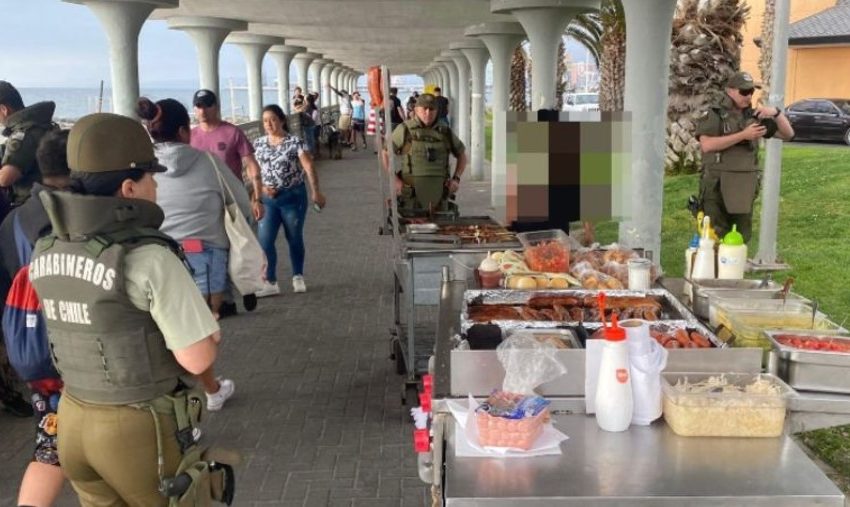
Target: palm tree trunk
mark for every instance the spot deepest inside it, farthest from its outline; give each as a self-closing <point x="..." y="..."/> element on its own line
<point x="518" y="88"/>
<point x="612" y="71"/>
<point x="766" y="47"/>
<point x="560" y="76"/>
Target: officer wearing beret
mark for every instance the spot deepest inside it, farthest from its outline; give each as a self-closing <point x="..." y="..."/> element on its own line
<point x="728" y="133"/>
<point x="24" y="128"/>
<point x="125" y="323"/>
<point x="425" y="181"/>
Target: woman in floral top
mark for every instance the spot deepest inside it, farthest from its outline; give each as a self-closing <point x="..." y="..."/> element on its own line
<point x="284" y="164"/>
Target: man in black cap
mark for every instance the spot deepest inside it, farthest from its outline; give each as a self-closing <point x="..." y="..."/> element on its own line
<point x="228" y="142"/>
<point x="728" y="133"/>
<point x="24" y="128"/>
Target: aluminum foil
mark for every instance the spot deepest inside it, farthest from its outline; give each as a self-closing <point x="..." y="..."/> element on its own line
<point x="680" y="315"/>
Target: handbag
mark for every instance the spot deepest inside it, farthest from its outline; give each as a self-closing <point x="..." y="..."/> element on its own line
<point x="246" y="263"/>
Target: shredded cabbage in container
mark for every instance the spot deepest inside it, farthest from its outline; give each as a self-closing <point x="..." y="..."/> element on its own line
<point x="717" y="407"/>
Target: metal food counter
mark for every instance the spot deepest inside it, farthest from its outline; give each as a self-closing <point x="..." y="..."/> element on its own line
<point x="644" y="466"/>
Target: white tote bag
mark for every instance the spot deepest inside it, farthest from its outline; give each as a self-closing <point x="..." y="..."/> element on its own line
<point x="246" y="264"/>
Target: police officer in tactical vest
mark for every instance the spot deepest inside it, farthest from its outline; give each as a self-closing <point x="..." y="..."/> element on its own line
<point x="24" y="128"/>
<point x="125" y="322"/>
<point x="425" y="182"/>
<point x="729" y="133"/>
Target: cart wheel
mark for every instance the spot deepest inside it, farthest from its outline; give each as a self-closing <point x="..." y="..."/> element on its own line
<point x="398" y="356"/>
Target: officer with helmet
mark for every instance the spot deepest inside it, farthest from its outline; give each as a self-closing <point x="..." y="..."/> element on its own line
<point x="125" y="322"/>
<point x="425" y="182"/>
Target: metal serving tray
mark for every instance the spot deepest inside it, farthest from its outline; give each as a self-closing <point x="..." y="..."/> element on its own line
<point x="674" y="309"/>
<point x="702" y="289"/>
<point x="810" y="370"/>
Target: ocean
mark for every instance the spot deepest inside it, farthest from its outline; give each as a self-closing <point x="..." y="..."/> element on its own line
<point x="72" y="103"/>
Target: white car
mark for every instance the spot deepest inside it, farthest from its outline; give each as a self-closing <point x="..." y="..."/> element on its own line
<point x="582" y="102"/>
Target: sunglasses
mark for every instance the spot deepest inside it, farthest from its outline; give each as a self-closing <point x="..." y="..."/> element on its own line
<point x="746" y="93"/>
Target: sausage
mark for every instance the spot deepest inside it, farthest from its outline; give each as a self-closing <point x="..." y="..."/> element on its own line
<point x="700" y="340"/>
<point x="682" y="337"/>
<point x="672" y="344"/>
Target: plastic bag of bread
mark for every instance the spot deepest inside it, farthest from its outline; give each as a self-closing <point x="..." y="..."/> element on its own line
<point x="617" y="270"/>
<point x="592" y="257"/>
<point x="599" y="280"/>
<point x="580" y="268"/>
<point x="619" y="255"/>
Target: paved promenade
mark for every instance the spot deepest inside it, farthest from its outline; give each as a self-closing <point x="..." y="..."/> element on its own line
<point x="317" y="412"/>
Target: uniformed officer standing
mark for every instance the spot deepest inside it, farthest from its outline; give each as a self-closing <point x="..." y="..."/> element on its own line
<point x="125" y="321"/>
<point x="24" y="128"/>
<point x="425" y="181"/>
<point x="728" y="133"/>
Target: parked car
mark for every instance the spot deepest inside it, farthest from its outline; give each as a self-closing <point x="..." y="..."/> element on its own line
<point x="582" y="102"/>
<point x="821" y="119"/>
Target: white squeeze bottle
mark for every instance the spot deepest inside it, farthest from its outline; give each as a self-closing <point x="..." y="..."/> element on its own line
<point x="614" y="403"/>
<point x="703" y="267"/>
<point x="732" y="256"/>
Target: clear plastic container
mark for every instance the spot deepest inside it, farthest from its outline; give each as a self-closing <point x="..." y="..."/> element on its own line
<point x="560" y="338"/>
<point x="546" y="251"/>
<point x="748" y="300"/>
<point x="748" y="405"/>
<point x="747" y="325"/>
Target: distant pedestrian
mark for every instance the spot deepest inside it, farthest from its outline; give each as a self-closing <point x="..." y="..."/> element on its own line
<point x="311" y="133"/>
<point x="285" y="167"/>
<point x="396" y="110"/>
<point x="344" y="116"/>
<point x="442" y="106"/>
<point x="228" y="142"/>
<point x="24" y="128"/>
<point x="358" y="120"/>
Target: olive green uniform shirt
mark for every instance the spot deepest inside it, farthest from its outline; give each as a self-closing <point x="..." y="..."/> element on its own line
<point x="157" y="282"/>
<point x="24" y="130"/>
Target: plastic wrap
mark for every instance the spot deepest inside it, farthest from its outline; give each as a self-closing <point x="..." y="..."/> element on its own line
<point x="528" y="363"/>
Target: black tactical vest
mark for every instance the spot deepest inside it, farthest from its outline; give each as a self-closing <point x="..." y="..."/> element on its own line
<point x="106" y="350"/>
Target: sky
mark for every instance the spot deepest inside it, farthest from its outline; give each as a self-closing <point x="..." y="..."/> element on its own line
<point x="38" y="35"/>
<point x="51" y="43"/>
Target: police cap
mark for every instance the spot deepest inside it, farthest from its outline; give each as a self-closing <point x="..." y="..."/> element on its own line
<point x="742" y="81"/>
<point x="427" y="100"/>
<point x="106" y="142"/>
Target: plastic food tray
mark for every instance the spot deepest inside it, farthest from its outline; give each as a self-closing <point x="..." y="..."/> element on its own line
<point x="746" y="325"/>
<point x="724" y="414"/>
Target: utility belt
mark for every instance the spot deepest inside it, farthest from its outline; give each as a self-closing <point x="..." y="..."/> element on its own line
<point x="204" y="474"/>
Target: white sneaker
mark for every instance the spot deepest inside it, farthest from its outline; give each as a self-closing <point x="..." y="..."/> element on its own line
<point x="298" y="284"/>
<point x="269" y="289"/>
<point x="226" y="388"/>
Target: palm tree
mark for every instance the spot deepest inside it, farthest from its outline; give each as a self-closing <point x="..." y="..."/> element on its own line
<point x="706" y="50"/>
<point x="765" y="44"/>
<point x="560" y="76"/>
<point x="603" y="33"/>
<point x="519" y="62"/>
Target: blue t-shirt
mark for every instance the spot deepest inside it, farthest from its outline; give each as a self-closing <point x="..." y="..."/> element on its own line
<point x="358" y="110"/>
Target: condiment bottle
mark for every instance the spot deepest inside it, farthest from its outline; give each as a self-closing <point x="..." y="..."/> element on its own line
<point x="732" y="256"/>
<point x="614" y="403"/>
<point x="703" y="267"/>
<point x="639" y="274"/>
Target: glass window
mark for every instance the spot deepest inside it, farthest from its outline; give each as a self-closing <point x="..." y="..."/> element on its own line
<point x="805" y="106"/>
<point x="844" y="105"/>
<point x="824" y="107"/>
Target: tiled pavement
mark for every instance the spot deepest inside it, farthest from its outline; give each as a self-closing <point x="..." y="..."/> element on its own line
<point x="317" y="412"/>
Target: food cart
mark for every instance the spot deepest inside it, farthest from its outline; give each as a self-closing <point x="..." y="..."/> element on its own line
<point x="421" y="252"/>
<point x="643" y="466"/>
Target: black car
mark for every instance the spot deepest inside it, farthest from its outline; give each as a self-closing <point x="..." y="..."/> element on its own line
<point x="820" y="119"/>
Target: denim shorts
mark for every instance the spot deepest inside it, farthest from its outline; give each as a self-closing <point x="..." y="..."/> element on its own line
<point x="210" y="269"/>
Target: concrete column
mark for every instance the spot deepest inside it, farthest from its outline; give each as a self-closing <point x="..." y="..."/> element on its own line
<point x="444" y="78"/>
<point x="302" y="63"/>
<point x="544" y="21"/>
<point x="122" y="21"/>
<point x="333" y="79"/>
<point x="501" y="38"/>
<point x="254" y="48"/>
<point x="650" y="26"/>
<point x="477" y="55"/>
<point x="208" y="34"/>
<point x="773" y="153"/>
<point x="283" y="56"/>
<point x="325" y="78"/>
<point x="452" y="92"/>
<point x="316" y="77"/>
<point x="463" y="95"/>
